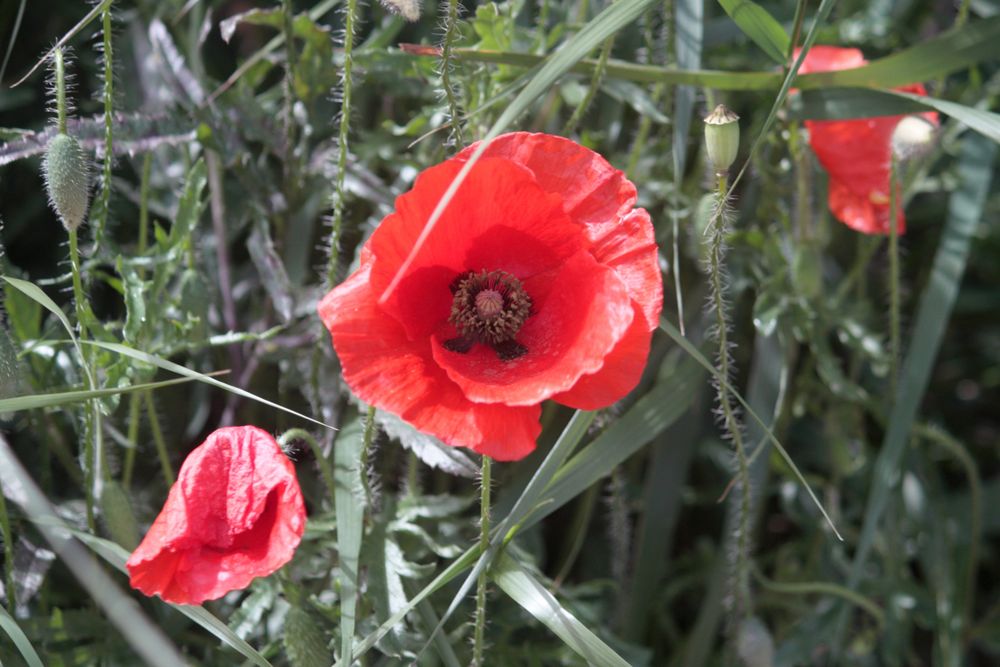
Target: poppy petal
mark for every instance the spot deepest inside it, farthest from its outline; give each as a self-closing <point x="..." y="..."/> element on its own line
<point x="498" y="219"/>
<point x="235" y="513"/>
<point x="581" y="312"/>
<point x="387" y="369"/>
<point x="619" y="375"/>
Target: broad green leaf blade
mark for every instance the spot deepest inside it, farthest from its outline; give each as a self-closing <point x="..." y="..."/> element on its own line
<point x="19" y="639"/>
<point x="965" y="210"/>
<point x="349" y="501"/>
<point x="525" y="590"/>
<point x="18" y="403"/>
<point x="686" y="345"/>
<point x="837" y="103"/>
<point x="116" y="556"/>
<point x="201" y="377"/>
<point x="759" y="26"/>
<point x="615" y="17"/>
<point x="651" y="414"/>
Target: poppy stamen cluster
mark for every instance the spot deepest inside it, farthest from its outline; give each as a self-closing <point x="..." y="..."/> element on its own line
<point x="488" y="307"/>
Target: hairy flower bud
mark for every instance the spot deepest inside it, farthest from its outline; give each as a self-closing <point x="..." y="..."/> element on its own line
<point x="67" y="179"/>
<point x="722" y="137"/>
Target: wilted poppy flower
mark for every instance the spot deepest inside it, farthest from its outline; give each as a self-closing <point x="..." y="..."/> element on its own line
<point x="539" y="281"/>
<point x="234" y="514"/>
<point x="856" y="153"/>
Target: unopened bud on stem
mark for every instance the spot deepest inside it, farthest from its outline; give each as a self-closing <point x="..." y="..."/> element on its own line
<point x="722" y="138"/>
<point x="67" y="179"/>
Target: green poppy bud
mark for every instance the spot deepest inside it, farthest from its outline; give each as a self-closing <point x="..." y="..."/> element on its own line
<point x="722" y="137"/>
<point x="67" y="179"/>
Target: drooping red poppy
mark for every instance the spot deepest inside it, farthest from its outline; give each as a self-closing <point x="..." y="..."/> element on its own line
<point x="234" y="514"/>
<point x="856" y="153"/>
<point x="540" y="280"/>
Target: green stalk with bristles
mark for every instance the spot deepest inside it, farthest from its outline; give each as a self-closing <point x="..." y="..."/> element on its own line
<point x="321" y="461"/>
<point x="104" y="202"/>
<point x="60" y="69"/>
<point x="158" y="439"/>
<point x="8" y="555"/>
<point x="333" y="263"/>
<point x="595" y="84"/>
<point x="366" y="446"/>
<point x="718" y="228"/>
<point x="478" y="638"/>
<point x="447" y="62"/>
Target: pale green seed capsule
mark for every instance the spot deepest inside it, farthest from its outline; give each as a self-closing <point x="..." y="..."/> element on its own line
<point x="67" y="179"/>
<point x="722" y="138"/>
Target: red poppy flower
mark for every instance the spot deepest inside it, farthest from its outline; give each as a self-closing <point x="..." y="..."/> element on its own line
<point x="856" y="153"/>
<point x="540" y="280"/>
<point x="234" y="514"/>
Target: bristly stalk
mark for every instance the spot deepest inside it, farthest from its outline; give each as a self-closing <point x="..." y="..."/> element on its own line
<point x="366" y="447"/>
<point x="894" y="297"/>
<point x="104" y="200"/>
<point x="478" y="640"/>
<point x="337" y="219"/>
<point x="447" y="62"/>
<point x="8" y="556"/>
<point x="595" y="84"/>
<point x="718" y="229"/>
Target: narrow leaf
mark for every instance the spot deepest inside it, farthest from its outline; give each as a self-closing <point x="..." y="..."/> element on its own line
<point x="760" y="27"/>
<point x="350" y="507"/>
<point x="20" y="640"/>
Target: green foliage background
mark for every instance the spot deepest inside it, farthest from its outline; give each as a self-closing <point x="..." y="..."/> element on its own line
<point x="235" y="172"/>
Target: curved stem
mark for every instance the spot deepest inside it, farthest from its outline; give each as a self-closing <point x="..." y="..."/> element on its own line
<point x="484" y="544"/>
<point x="324" y="464"/>
<point x="595" y="83"/>
<point x="447" y="62"/>
<point x="894" y="298"/>
<point x="333" y="262"/>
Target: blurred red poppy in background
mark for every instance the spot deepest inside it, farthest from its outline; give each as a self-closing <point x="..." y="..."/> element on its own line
<point x="540" y="280"/>
<point x="856" y="153"/>
<point x="234" y="514"/>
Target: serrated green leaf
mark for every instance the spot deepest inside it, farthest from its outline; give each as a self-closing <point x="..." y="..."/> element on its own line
<point x="760" y="27"/>
<point x="514" y="580"/>
<point x="116" y="510"/>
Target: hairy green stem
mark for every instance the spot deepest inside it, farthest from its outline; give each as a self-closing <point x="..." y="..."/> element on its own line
<point x="101" y="217"/>
<point x="731" y="422"/>
<point x="642" y="134"/>
<point x="823" y="588"/>
<point x="894" y="296"/>
<point x="595" y="84"/>
<point x="60" y="68"/>
<point x="366" y="446"/>
<point x="161" y="443"/>
<point x="484" y="544"/>
<point x="333" y="263"/>
<point x="8" y="555"/>
<point x="447" y="62"/>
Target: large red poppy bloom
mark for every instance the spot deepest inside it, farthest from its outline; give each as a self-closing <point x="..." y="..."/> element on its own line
<point x="234" y="514"/>
<point x="540" y="280"/>
<point x="856" y="153"/>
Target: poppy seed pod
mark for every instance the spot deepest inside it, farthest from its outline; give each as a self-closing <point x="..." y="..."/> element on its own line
<point x="722" y="137"/>
<point x="67" y="179"/>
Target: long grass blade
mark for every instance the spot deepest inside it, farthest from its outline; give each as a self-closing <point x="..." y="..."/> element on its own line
<point x="18" y="403"/>
<point x="349" y="499"/>
<point x="19" y="639"/>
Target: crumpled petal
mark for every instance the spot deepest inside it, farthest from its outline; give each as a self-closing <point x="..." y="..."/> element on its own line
<point x="856" y="153"/>
<point x="386" y="369"/>
<point x="235" y="513"/>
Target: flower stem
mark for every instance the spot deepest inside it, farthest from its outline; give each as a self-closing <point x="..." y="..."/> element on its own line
<point x="484" y="544"/>
<point x="161" y="444"/>
<point x="333" y="262"/>
<point x="8" y="556"/>
<point x="894" y="308"/>
<point x="447" y="62"/>
<point x="366" y="446"/>
<point x="730" y="420"/>
<point x="324" y="464"/>
<point x="595" y="84"/>
<point x="60" y="69"/>
<point x="100" y="218"/>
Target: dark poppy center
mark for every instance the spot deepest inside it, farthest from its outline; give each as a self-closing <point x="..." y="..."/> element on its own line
<point x="488" y="307"/>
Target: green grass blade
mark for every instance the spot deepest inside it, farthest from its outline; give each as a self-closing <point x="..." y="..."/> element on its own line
<point x="349" y="499"/>
<point x="686" y="345"/>
<point x="836" y="103"/>
<point x="201" y="377"/>
<point x="760" y="27"/>
<point x="649" y="417"/>
<point x="514" y="580"/>
<point x="91" y="15"/>
<point x="20" y="640"/>
<point x="117" y="556"/>
<point x="18" y="403"/>
<point x="615" y="17"/>
<point x="965" y="209"/>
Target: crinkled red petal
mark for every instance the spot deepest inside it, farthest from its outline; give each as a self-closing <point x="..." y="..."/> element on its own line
<point x="387" y="369"/>
<point x="630" y="249"/>
<point x="580" y="312"/>
<point x="830" y="58"/>
<point x="234" y="514"/>
<point x="498" y="219"/>
<point x="620" y="373"/>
